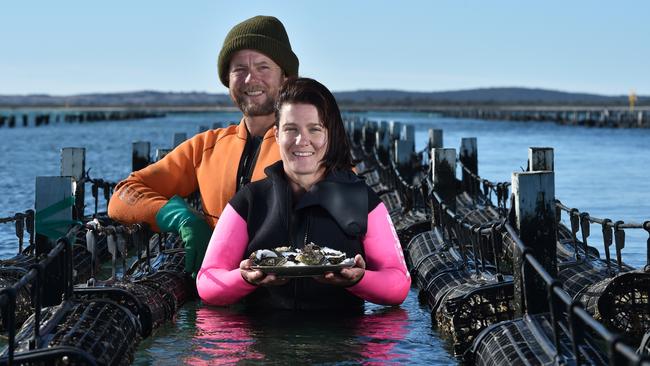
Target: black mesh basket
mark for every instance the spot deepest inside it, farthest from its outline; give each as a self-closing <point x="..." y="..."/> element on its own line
<point x="421" y="245"/>
<point x="102" y="328"/>
<point x="577" y="277"/>
<point x="393" y="204"/>
<point x="168" y="260"/>
<point x="440" y="284"/>
<point x="529" y="341"/>
<point x="175" y="288"/>
<point x="144" y="302"/>
<point x="8" y="277"/>
<point x="432" y="265"/>
<point x="80" y="333"/>
<point x="622" y="304"/>
<point x="411" y="224"/>
<point x="471" y="307"/>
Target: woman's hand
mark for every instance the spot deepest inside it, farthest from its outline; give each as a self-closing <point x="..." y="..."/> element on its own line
<point x="258" y="278"/>
<point x="348" y="276"/>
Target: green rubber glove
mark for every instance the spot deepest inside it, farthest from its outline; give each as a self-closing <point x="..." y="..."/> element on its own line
<point x="176" y="216"/>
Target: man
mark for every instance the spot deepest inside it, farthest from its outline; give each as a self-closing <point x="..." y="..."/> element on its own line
<point x="255" y="59"/>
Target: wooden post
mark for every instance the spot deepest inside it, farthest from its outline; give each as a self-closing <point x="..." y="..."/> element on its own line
<point x="534" y="207"/>
<point x="444" y="177"/>
<point x="140" y="155"/>
<point x="394" y="130"/>
<point x="367" y="136"/>
<point x="408" y="133"/>
<point x="435" y="139"/>
<point x="403" y="152"/>
<point x="73" y="164"/>
<point x="469" y="158"/>
<point x="179" y="137"/>
<point x="50" y="205"/>
<point x="160" y="153"/>
<point x="540" y="159"/>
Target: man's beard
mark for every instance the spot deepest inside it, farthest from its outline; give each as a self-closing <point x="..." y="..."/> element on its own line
<point x="253" y="109"/>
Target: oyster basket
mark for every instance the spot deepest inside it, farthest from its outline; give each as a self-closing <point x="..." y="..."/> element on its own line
<point x="421" y="245"/>
<point x="393" y="204"/>
<point x="8" y="277"/>
<point x="529" y="341"/>
<point x="168" y="260"/>
<point x="436" y="289"/>
<point x="622" y="304"/>
<point x="411" y="224"/>
<point x="147" y="304"/>
<point x="96" y="332"/>
<point x="577" y="277"/>
<point x="176" y="288"/>
<point x="471" y="307"/>
<point x="433" y="264"/>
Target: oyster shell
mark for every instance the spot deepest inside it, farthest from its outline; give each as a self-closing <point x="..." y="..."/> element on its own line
<point x="333" y="256"/>
<point x="265" y="257"/>
<point x="311" y="255"/>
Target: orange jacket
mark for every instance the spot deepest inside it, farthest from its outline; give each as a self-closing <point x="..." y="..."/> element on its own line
<point x="207" y="162"/>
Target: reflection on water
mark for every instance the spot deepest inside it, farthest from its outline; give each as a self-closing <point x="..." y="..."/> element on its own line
<point x="380" y="336"/>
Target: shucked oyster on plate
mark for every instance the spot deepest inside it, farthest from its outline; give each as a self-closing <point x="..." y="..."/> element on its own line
<point x="310" y="255"/>
<point x="265" y="257"/>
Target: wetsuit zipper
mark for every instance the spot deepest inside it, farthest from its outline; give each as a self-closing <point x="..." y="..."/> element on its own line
<point x="248" y="160"/>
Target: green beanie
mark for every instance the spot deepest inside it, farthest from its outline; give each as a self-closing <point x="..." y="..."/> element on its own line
<point x="260" y="33"/>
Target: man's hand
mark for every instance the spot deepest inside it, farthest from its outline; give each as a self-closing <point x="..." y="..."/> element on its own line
<point x="348" y="276"/>
<point x="258" y="278"/>
<point x="176" y="216"/>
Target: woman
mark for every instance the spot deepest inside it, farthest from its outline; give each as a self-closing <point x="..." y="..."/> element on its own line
<point x="312" y="195"/>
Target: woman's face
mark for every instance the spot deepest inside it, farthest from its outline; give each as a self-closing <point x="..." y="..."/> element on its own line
<point x="303" y="141"/>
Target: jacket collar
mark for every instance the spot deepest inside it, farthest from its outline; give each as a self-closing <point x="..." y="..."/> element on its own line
<point x="242" y="131"/>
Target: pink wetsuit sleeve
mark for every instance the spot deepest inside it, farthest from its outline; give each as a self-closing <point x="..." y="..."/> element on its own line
<point x="386" y="280"/>
<point x="219" y="281"/>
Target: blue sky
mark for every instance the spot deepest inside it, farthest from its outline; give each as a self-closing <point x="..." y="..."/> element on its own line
<point x="68" y="47"/>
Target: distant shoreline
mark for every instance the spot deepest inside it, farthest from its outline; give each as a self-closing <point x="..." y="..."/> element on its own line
<point x="344" y="107"/>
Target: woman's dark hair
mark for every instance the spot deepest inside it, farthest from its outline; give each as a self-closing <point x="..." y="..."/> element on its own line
<point x="309" y="91"/>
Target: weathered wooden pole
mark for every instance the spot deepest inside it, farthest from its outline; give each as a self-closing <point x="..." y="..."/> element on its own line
<point x="73" y="164"/>
<point x="444" y="178"/>
<point x="408" y="133"/>
<point x="140" y="155"/>
<point x="469" y="159"/>
<point x="160" y="153"/>
<point x="179" y="137"/>
<point x="403" y="151"/>
<point x="540" y="159"/>
<point x="368" y="136"/>
<point x="435" y="139"/>
<point x="394" y="130"/>
<point x="534" y="207"/>
<point x="54" y="210"/>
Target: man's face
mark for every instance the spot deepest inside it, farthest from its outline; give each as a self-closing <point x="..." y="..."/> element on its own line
<point x="254" y="82"/>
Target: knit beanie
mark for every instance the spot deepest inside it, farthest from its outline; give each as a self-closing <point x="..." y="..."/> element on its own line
<point x="265" y="34"/>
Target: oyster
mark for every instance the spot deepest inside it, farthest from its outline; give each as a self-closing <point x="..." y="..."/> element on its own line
<point x="311" y="255"/>
<point x="333" y="256"/>
<point x="265" y="257"/>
